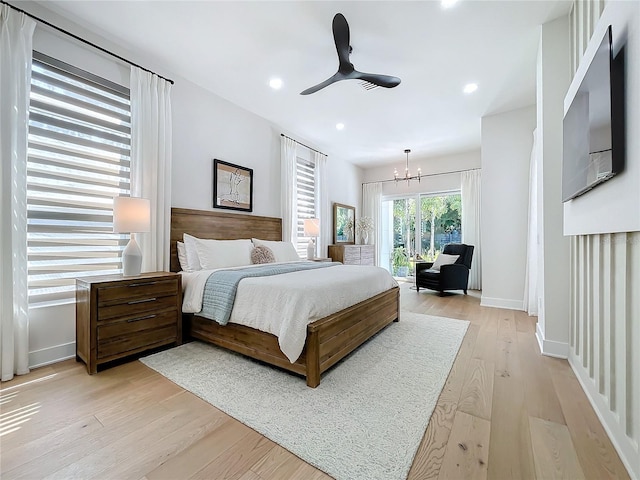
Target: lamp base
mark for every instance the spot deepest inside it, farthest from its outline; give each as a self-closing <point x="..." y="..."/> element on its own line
<point x="311" y="250"/>
<point x="131" y="258"/>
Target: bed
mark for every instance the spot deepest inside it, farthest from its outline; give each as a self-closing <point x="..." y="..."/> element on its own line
<point x="328" y="340"/>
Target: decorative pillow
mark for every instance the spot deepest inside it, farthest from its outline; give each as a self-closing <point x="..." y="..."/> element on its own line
<point x="193" y="262"/>
<point x="444" y="259"/>
<point x="283" y="251"/>
<point x="223" y="253"/>
<point x="262" y="254"/>
<point x="182" y="257"/>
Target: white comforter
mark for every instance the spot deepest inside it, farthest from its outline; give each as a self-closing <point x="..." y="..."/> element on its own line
<point x="284" y="304"/>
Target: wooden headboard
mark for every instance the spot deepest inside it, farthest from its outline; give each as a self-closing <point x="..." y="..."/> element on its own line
<point x="219" y="226"/>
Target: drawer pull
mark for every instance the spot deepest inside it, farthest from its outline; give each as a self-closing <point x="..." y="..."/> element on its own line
<point x="144" y="300"/>
<point x="141" y="284"/>
<point x="146" y="317"/>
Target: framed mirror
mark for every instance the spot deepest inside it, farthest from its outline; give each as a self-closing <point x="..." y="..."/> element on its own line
<point x="344" y="224"/>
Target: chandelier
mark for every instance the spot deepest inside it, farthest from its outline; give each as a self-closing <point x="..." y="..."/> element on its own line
<point x="407" y="175"/>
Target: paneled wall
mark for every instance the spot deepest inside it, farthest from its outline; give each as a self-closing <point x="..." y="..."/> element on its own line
<point x="583" y="18"/>
<point x="605" y="304"/>
<point x="605" y="333"/>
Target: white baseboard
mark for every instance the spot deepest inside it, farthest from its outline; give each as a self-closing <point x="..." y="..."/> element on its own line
<point x="501" y="303"/>
<point x="551" y="348"/>
<point x="57" y="353"/>
<point x="626" y="448"/>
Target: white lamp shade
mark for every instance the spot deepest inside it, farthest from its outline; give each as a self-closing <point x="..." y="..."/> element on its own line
<point x="311" y="227"/>
<point x="131" y="215"/>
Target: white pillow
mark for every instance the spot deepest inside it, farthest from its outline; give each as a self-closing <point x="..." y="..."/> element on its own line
<point x="223" y="253"/>
<point x="193" y="262"/>
<point x="283" y="251"/>
<point x="182" y="257"/>
<point x="444" y="259"/>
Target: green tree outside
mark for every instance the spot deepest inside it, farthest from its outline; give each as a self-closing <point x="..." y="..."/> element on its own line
<point x="441" y="223"/>
<point x="432" y="208"/>
<point x="404" y="223"/>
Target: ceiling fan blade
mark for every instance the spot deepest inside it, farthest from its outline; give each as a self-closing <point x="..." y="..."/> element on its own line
<point x="335" y="78"/>
<point x="386" y="81"/>
<point x="346" y="70"/>
<point x="341" y="39"/>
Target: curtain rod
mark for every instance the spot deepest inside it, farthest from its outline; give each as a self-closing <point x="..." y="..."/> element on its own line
<point x="300" y="143"/>
<point x="62" y="30"/>
<point x="400" y="179"/>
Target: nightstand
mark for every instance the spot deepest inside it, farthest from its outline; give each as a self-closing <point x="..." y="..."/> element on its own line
<point x="119" y="316"/>
<point x="319" y="259"/>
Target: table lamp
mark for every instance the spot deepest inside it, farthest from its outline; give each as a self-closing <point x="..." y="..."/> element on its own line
<point x="312" y="230"/>
<point x="131" y="215"/>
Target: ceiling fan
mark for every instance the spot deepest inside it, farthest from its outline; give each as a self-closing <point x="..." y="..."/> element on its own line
<point x="346" y="70"/>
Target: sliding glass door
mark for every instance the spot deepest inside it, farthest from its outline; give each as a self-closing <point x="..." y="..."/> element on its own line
<point x="441" y="223"/>
<point x="416" y="228"/>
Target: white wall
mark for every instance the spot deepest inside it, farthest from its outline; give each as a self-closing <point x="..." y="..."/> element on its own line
<point x="345" y="186"/>
<point x="605" y="267"/>
<point x="507" y="140"/>
<point x="553" y="76"/>
<point x="57" y="45"/>
<point x="205" y="127"/>
<point x="614" y="206"/>
<point x="440" y="175"/>
<point x="441" y="182"/>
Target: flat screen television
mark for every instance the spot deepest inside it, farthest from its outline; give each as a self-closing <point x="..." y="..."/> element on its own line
<point x="593" y="125"/>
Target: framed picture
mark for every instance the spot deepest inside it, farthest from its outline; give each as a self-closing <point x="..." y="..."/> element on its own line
<point x="232" y="186"/>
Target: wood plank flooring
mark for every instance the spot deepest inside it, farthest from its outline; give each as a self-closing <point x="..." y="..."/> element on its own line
<point x="506" y="412"/>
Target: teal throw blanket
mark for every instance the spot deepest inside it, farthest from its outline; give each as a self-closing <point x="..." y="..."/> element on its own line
<point x="221" y="287"/>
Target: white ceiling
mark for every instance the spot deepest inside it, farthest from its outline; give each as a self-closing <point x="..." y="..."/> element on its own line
<point x="234" y="48"/>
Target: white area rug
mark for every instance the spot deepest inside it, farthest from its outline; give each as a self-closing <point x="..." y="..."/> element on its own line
<point x="366" y="418"/>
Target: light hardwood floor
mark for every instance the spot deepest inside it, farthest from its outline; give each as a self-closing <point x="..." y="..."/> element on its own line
<point x="506" y="412"/>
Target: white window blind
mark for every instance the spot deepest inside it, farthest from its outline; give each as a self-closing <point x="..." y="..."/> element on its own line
<point x="78" y="160"/>
<point x="306" y="201"/>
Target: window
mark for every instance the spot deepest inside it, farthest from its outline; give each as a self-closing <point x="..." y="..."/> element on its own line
<point x="78" y="160"/>
<point x="419" y="233"/>
<point x="306" y="200"/>
<point x="441" y="223"/>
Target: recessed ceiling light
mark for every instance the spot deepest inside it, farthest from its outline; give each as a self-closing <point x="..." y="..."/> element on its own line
<point x="340" y="126"/>
<point x="448" y="3"/>
<point x="470" y="88"/>
<point x="275" y="83"/>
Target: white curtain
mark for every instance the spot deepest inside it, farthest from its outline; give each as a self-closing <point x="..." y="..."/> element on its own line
<point x="288" y="189"/>
<point x="531" y="268"/>
<point x="322" y="202"/>
<point x="371" y="205"/>
<point x="16" y="35"/>
<point x="151" y="162"/>
<point x="471" y="221"/>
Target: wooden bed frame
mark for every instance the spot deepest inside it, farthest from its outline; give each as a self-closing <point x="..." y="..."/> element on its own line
<point x="328" y="340"/>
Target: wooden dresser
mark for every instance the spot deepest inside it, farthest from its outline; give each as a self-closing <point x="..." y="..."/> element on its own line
<point x="118" y="316"/>
<point x="352" y="254"/>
